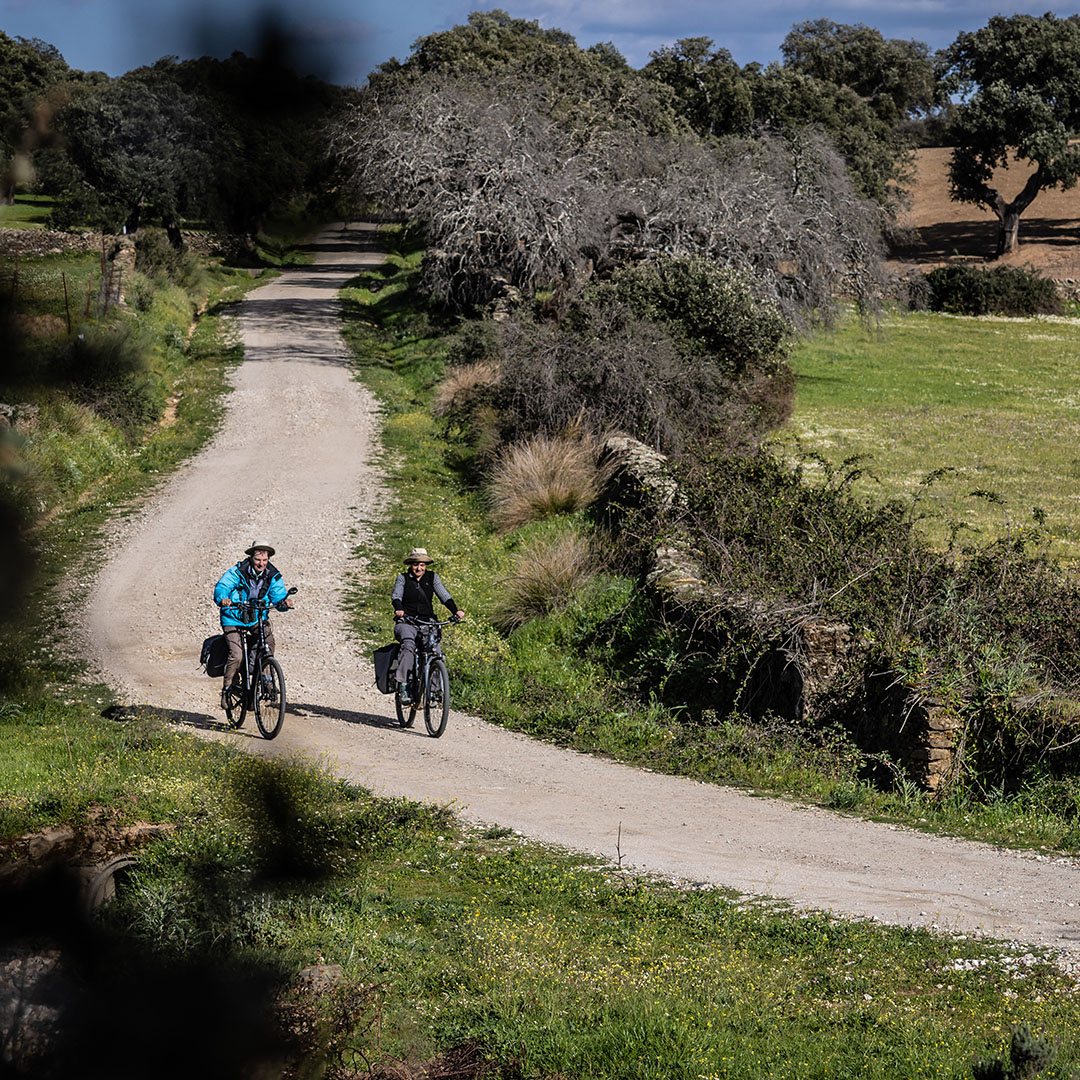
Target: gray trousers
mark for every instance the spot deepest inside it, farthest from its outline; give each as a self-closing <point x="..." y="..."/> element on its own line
<point x="236" y="648"/>
<point x="406" y="634"/>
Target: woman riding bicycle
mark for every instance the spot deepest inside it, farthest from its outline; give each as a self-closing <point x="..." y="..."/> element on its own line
<point x="413" y="596"/>
<point x="254" y="580"/>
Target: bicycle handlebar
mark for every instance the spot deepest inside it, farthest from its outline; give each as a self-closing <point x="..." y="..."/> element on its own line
<point x="249" y="607"/>
<point x="412" y="621"/>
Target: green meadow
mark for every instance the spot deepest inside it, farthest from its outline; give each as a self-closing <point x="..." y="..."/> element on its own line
<point x="26" y="212"/>
<point x="993" y="402"/>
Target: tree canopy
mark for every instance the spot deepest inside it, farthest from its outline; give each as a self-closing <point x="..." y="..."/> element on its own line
<point x="846" y="80"/>
<point x="895" y="77"/>
<point x="1020" y="78"/>
<point x="29" y="70"/>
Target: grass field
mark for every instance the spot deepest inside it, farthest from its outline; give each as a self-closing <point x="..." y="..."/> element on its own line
<point x="523" y="961"/>
<point x="993" y="399"/>
<point x="27" y="212"/>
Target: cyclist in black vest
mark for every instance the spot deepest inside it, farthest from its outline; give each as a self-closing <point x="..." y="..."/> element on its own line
<point x="413" y="596"/>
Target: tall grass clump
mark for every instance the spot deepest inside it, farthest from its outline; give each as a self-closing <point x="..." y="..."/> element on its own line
<point x="547" y="573"/>
<point x="544" y="476"/>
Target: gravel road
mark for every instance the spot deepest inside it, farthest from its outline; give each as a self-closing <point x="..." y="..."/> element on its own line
<point x="294" y="463"/>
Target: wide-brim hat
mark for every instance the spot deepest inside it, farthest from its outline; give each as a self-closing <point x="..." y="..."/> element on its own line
<point x="258" y="545"/>
<point x="418" y="555"/>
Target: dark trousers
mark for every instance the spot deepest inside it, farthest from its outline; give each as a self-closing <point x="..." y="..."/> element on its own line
<point x="236" y="648"/>
<point x="406" y="634"/>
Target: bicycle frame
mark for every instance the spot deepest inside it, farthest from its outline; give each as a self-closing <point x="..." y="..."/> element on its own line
<point x="249" y="663"/>
<point x="428" y="648"/>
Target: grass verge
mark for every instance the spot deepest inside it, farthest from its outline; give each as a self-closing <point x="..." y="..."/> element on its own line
<point x="513" y="959"/>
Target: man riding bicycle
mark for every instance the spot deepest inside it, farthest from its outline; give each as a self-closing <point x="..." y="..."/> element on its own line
<point x="412" y="596"/>
<point x="254" y="580"/>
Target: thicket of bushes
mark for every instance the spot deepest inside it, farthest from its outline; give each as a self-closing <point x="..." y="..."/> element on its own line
<point x="682" y="357"/>
<point x="990" y="631"/>
<point x="999" y="290"/>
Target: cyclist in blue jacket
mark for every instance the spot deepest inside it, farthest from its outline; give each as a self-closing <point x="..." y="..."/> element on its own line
<point x="252" y="579"/>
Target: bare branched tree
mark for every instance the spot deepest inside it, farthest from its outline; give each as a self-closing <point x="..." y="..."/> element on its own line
<point x="514" y="192"/>
<point x="504" y="194"/>
<point x="782" y="210"/>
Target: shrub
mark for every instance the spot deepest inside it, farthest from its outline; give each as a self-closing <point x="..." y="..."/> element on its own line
<point x="1001" y="290"/>
<point x="546" y="575"/>
<point x="710" y="308"/>
<point x="156" y="257"/>
<point x="108" y="369"/>
<point x="544" y="476"/>
<point x="992" y="631"/>
<point x="620" y="372"/>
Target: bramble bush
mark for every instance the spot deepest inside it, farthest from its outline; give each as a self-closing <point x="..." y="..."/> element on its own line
<point x="991" y="630"/>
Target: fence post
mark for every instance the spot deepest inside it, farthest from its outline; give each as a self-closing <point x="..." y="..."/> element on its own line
<point x="15" y="279"/>
<point x="89" y="295"/>
<point x="108" y="290"/>
<point x="67" y="302"/>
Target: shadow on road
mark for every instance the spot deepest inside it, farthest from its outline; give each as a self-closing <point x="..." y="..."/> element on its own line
<point x="350" y="717"/>
<point x="208" y="722"/>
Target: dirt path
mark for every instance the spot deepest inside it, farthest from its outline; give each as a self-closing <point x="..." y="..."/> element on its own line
<point x="293" y="464"/>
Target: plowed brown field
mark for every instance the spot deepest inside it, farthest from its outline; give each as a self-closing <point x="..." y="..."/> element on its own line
<point x="947" y="231"/>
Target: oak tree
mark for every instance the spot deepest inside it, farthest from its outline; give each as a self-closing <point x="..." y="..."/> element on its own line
<point x="1020" y="77"/>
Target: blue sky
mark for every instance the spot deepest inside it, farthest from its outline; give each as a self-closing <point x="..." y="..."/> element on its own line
<point x="347" y="38"/>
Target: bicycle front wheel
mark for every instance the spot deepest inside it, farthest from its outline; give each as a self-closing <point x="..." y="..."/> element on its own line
<point x="406" y="714"/>
<point x="236" y="709"/>
<point x="270" y="699"/>
<point x="437" y="698"/>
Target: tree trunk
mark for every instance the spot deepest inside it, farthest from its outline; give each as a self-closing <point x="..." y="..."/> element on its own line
<point x="1008" y="213"/>
<point x="132" y="223"/>
<point x="175" y="237"/>
<point x="1008" y="230"/>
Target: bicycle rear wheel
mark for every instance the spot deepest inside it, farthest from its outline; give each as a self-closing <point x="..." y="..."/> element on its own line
<point x="270" y="699"/>
<point x="437" y="698"/>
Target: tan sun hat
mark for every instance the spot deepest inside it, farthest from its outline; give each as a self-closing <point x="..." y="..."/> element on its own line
<point x="259" y="545"/>
<point x="418" y="555"/>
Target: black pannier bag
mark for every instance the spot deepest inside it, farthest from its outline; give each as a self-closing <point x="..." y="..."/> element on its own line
<point x="385" y="662"/>
<point x="214" y="655"/>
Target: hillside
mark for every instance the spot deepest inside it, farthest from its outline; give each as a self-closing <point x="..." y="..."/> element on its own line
<point x="945" y="230"/>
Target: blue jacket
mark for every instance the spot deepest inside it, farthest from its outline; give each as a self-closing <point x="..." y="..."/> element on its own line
<point x="236" y="582"/>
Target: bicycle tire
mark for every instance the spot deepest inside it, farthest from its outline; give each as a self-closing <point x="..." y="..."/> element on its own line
<point x="270" y="703"/>
<point x="437" y="698"/>
<point x="406" y="714"/>
<point x="236" y="711"/>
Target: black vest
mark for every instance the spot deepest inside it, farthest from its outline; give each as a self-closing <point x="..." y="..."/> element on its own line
<point x="416" y="600"/>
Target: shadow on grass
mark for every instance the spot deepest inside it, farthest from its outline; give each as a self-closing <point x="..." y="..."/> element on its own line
<point x="976" y="239"/>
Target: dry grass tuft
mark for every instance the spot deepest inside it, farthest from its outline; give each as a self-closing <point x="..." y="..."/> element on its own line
<point x="464" y="386"/>
<point x="544" y="476"/>
<point x="545" y="577"/>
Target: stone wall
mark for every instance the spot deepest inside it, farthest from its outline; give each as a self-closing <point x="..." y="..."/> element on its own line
<point x="811" y="669"/>
<point x="53" y="242"/>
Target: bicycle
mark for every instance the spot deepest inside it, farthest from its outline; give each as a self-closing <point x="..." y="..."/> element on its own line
<point x="263" y="695"/>
<point x="429" y="680"/>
